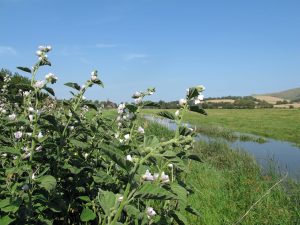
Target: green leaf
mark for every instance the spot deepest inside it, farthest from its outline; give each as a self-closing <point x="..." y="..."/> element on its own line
<point x="44" y="62"/>
<point x="184" y="131"/>
<point x="90" y="105"/>
<point x="87" y="215"/>
<point x="115" y="155"/>
<point x="198" y="109"/>
<point x="152" y="191"/>
<point x="9" y="205"/>
<point x="50" y="118"/>
<point x="72" y="169"/>
<point x="25" y="69"/>
<point x="73" y="85"/>
<point x="151" y="141"/>
<point x="107" y="201"/>
<point x="179" y="218"/>
<point x="85" y="198"/>
<point x="99" y="82"/>
<point x="103" y="178"/>
<point x="151" y="104"/>
<point x="48" y="182"/>
<point x="131" y="107"/>
<point x="191" y="210"/>
<point x="166" y="114"/>
<point x="49" y="90"/>
<point x="5" y="220"/>
<point x="195" y="157"/>
<point x="181" y="193"/>
<point x="11" y="150"/>
<point x="79" y="144"/>
<point x="193" y="92"/>
<point x="132" y="211"/>
<point x="4" y="202"/>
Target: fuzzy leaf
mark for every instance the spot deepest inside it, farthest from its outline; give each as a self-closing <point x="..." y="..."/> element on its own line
<point x="49" y="90"/>
<point x="151" y="191"/>
<point x="25" y="69"/>
<point x="107" y="201"/>
<point x="179" y="218"/>
<point x="192" y="93"/>
<point x="73" y="85"/>
<point x="87" y="215"/>
<point x="48" y="182"/>
<point x="166" y="114"/>
<point x="5" y="220"/>
<point x="197" y="109"/>
<point x="191" y="210"/>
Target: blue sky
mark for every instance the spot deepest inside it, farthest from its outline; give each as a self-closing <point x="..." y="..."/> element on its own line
<point x="231" y="47"/>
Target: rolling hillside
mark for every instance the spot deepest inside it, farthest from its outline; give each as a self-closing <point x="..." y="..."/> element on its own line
<point x="291" y="94"/>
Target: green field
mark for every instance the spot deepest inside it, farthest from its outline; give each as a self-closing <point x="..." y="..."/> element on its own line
<point x="281" y="124"/>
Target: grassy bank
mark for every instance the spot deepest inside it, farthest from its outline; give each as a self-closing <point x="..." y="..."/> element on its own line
<point x="229" y="182"/>
<point x="281" y="124"/>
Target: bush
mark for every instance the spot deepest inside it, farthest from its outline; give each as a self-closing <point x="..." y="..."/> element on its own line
<point x="63" y="162"/>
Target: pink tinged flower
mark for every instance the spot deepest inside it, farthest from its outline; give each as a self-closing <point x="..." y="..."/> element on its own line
<point x="150" y="212"/>
<point x="177" y="113"/>
<point x="148" y="176"/>
<point x="141" y="130"/>
<point x="182" y="102"/>
<point x="129" y="158"/>
<point x="18" y="134"/>
<point x="39" y="84"/>
<point x="12" y="116"/>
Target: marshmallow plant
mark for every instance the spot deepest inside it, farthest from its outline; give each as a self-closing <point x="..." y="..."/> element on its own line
<point x="63" y="162"/>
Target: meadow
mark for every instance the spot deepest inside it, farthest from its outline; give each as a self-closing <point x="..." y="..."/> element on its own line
<point x="280" y="124"/>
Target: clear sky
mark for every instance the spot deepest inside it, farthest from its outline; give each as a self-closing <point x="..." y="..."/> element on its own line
<point x="237" y="47"/>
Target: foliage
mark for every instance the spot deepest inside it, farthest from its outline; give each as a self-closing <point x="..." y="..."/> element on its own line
<point x="58" y="165"/>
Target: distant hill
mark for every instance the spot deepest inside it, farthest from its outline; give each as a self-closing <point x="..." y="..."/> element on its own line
<point x="291" y="94"/>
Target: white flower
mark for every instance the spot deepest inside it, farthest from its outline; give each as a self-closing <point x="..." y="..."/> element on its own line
<point x="30" y="109"/>
<point x="121" y="141"/>
<point x="182" y="102"/>
<point x="85" y="155"/>
<point x="150" y="92"/>
<point x="38" y="149"/>
<point x="12" y="116"/>
<point x="71" y="127"/>
<point x="129" y="158"/>
<point x="200" y="88"/>
<point x="30" y="117"/>
<point x="93" y="78"/>
<point x="197" y="101"/>
<point x="120" y="199"/>
<point x="18" y="134"/>
<point x="33" y="176"/>
<point x="200" y="97"/>
<point x="137" y="94"/>
<point x="121" y="108"/>
<point x="150" y="212"/>
<point x="117" y="135"/>
<point x="148" y="176"/>
<point x="170" y="165"/>
<point x="127" y="136"/>
<point x="39" y="84"/>
<point x="39" y="53"/>
<point x="40" y="135"/>
<point x="83" y="98"/>
<point x="138" y="100"/>
<point x="26" y="93"/>
<point x="141" y="130"/>
<point x="49" y="48"/>
<point x="51" y="77"/>
<point x="29" y="134"/>
<point x="4" y="155"/>
<point x="3" y="111"/>
<point x="164" y="178"/>
<point x="177" y="113"/>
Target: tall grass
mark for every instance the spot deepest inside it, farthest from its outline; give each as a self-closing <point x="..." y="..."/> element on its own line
<point x="229" y="182"/>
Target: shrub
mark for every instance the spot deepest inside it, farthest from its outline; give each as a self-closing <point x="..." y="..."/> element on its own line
<point x="63" y="162"/>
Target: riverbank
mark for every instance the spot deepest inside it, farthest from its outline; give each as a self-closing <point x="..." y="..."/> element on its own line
<point x="280" y="124"/>
<point x="229" y="182"/>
